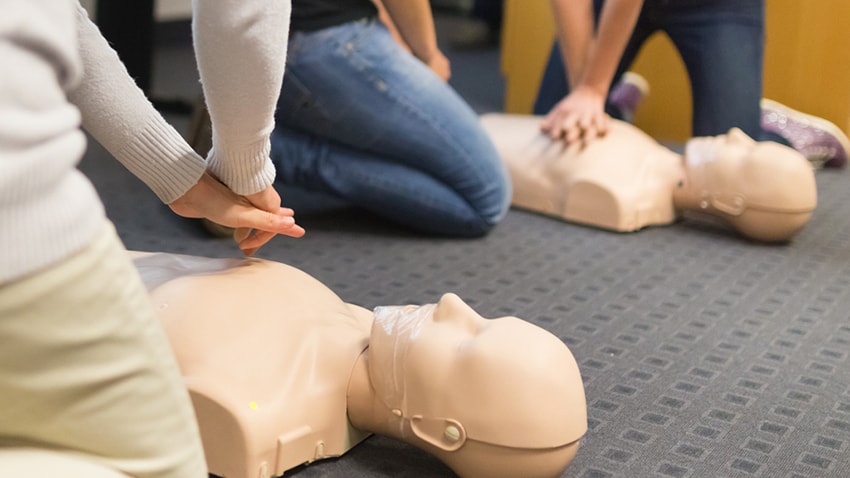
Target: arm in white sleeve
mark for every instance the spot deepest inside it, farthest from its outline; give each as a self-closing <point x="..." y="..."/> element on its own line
<point x="119" y="116"/>
<point x="241" y="52"/>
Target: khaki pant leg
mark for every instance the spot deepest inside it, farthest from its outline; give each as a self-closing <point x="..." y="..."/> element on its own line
<point x="35" y="463"/>
<point x="85" y="368"/>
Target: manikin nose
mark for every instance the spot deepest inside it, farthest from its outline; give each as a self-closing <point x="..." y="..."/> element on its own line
<point x="737" y="136"/>
<point x="451" y="308"/>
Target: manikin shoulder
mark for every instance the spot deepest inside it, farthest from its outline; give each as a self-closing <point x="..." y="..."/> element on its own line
<point x="266" y="352"/>
<point x="622" y="181"/>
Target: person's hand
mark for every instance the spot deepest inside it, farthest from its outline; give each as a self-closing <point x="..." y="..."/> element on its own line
<point x="580" y="116"/>
<point x="439" y="64"/>
<point x="250" y="239"/>
<point x="257" y="218"/>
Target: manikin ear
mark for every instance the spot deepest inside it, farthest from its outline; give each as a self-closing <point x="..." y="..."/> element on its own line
<point x="444" y="433"/>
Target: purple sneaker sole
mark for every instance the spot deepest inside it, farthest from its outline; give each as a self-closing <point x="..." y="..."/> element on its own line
<point x="628" y="93"/>
<point x="819" y="140"/>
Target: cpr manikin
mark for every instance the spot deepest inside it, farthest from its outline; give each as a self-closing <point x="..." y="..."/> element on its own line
<point x="625" y="180"/>
<point x="282" y="372"/>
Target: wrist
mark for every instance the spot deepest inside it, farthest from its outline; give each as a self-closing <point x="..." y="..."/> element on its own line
<point x="245" y="171"/>
<point x="425" y="54"/>
<point x="599" y="89"/>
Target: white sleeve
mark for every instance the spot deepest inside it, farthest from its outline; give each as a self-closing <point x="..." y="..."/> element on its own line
<point x="119" y="116"/>
<point x="240" y="47"/>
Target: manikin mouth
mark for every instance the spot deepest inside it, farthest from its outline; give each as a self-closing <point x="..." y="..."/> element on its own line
<point x="700" y="151"/>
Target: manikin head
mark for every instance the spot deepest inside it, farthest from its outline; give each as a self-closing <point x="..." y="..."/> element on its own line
<point x="764" y="190"/>
<point x="496" y="398"/>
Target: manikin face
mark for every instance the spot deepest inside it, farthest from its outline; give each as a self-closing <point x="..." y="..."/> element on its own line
<point x="729" y="149"/>
<point x="737" y="173"/>
<point x="445" y="362"/>
<point x="765" y="190"/>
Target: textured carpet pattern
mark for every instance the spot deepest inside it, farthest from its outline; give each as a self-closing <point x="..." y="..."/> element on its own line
<point x="703" y="354"/>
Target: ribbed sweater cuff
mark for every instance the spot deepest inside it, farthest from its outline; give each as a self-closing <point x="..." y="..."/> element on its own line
<point x="246" y="171"/>
<point x="162" y="159"/>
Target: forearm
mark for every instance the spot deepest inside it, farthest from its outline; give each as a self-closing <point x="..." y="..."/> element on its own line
<point x="415" y="23"/>
<point x="616" y="24"/>
<point x="574" y="25"/>
<point x="388" y="22"/>
<point x="241" y="52"/>
<point x="119" y="116"/>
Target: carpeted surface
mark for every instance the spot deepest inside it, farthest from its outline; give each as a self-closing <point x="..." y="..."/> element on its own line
<point x="703" y="354"/>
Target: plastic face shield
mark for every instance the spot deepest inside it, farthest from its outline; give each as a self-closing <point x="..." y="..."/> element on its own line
<point x="398" y="331"/>
<point x="393" y="330"/>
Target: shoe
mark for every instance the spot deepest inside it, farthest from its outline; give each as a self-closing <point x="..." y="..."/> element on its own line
<point x="627" y="94"/>
<point x="819" y="140"/>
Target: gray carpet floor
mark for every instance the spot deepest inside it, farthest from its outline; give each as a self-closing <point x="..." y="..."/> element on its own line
<point x="703" y="354"/>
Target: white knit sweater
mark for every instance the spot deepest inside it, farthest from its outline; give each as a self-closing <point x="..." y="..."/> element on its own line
<point x="56" y="70"/>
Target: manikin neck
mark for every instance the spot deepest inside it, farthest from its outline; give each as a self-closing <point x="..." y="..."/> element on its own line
<point x="687" y="195"/>
<point x="366" y="410"/>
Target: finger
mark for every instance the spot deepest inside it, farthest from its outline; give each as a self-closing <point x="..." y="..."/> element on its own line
<point x="588" y="126"/>
<point x="249" y="252"/>
<point x="559" y="131"/>
<point x="547" y="122"/>
<point x="551" y="124"/>
<point x="568" y="128"/>
<point x="586" y="121"/>
<point x="295" y="231"/>
<point x="604" y="124"/>
<point x="590" y="133"/>
<point x="252" y="218"/>
<point x="268" y="199"/>
<point x="257" y="221"/>
<point x="241" y="233"/>
<point x="254" y="242"/>
<point x="574" y="133"/>
<point x="285" y="211"/>
<point x="251" y="244"/>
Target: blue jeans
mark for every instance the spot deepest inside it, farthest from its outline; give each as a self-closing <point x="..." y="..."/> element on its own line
<point x="722" y="45"/>
<point x="363" y="120"/>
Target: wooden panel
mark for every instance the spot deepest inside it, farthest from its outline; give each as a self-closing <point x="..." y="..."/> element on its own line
<point x="527" y="36"/>
<point x="807" y="63"/>
<point x="807" y="60"/>
<point x="666" y="113"/>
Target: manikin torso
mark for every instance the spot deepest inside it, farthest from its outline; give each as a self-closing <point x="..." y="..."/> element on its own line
<point x="280" y="370"/>
<point x="622" y="184"/>
<point x="626" y="180"/>
<point x="245" y="407"/>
